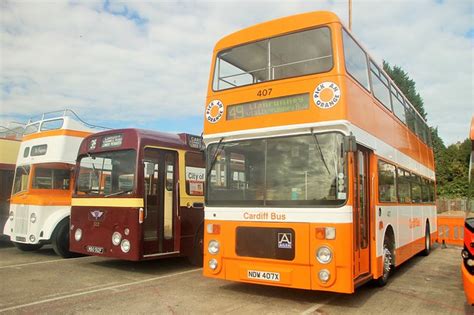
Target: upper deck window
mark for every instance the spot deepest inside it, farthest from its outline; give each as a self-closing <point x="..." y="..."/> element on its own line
<point x="52" y="124"/>
<point x="356" y="60"/>
<point x="286" y="56"/>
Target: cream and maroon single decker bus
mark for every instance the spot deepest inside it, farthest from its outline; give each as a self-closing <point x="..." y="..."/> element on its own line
<point x="320" y="173"/>
<point x="10" y="138"/>
<point x="41" y="196"/>
<point x="139" y="195"/>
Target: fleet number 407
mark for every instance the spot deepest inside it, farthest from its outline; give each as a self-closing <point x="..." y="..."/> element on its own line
<point x="264" y="92"/>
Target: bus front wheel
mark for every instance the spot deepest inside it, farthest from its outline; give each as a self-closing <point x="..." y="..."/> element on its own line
<point x="387" y="259"/>
<point x="60" y="240"/>
<point x="27" y="247"/>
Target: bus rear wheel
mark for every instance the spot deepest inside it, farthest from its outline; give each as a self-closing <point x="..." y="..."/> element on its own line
<point x="27" y="247"/>
<point x="387" y="259"/>
<point x="60" y="240"/>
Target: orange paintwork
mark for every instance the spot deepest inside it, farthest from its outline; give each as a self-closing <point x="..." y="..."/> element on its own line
<point x="468" y="281"/>
<point x="446" y="226"/>
<point x="471" y="136"/>
<point x="59" y="132"/>
<point x="45" y="197"/>
<point x="299" y="273"/>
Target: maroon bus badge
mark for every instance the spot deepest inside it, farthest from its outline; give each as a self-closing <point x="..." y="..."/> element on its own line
<point x="96" y="215"/>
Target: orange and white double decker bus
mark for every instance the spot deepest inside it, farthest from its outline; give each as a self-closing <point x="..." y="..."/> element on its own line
<point x="40" y="201"/>
<point x="320" y="172"/>
<point x="139" y="195"/>
<point x="10" y="137"/>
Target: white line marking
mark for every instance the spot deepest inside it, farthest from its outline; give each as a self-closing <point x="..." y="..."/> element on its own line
<point x="315" y="307"/>
<point x="97" y="290"/>
<point x="43" y="262"/>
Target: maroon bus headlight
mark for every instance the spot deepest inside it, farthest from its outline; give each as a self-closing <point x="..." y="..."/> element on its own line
<point x="125" y="246"/>
<point x="78" y="235"/>
<point x="116" y="238"/>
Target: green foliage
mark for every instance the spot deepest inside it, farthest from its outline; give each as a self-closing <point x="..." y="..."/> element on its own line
<point x="406" y="85"/>
<point x="452" y="162"/>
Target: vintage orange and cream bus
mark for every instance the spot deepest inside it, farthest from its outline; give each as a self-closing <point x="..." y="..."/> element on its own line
<point x="10" y="137"/>
<point x="41" y="197"/>
<point x="139" y="195"/>
<point x="320" y="173"/>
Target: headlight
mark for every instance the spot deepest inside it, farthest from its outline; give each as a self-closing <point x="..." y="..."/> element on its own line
<point x="324" y="275"/>
<point x="125" y="246"/>
<point x="213" y="247"/>
<point x="465" y="254"/>
<point x="470" y="262"/>
<point x="213" y="264"/>
<point x="32" y="238"/>
<point x="116" y="238"/>
<point x="33" y="218"/>
<point x="126" y="231"/>
<point x="78" y="235"/>
<point x="324" y="255"/>
<point x="11" y="215"/>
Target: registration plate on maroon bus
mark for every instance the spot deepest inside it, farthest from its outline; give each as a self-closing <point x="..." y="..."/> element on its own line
<point x="94" y="249"/>
<point x="263" y="275"/>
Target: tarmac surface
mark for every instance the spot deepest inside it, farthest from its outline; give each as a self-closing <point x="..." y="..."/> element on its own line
<point x="41" y="282"/>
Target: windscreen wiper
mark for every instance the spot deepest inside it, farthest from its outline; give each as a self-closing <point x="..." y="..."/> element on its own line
<point x="214" y="158"/>
<point x="118" y="193"/>
<point x="320" y="151"/>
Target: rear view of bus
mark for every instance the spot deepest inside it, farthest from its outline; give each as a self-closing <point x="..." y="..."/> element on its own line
<point x="320" y="171"/>
<point x="41" y="197"/>
<point x="139" y="195"/>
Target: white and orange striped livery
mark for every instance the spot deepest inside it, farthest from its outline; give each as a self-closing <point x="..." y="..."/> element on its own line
<point x="40" y="203"/>
<point x="320" y="173"/>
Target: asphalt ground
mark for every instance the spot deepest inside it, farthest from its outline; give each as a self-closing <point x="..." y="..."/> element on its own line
<point x="42" y="283"/>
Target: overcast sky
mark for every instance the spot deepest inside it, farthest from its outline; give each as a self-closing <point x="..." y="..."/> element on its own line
<point x="146" y="64"/>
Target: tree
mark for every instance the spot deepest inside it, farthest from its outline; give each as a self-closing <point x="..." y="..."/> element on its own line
<point x="452" y="162"/>
<point x="406" y="85"/>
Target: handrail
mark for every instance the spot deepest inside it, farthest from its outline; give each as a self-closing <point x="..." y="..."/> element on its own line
<point x="64" y="113"/>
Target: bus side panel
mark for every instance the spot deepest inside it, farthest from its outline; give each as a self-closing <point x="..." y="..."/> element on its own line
<point x="191" y="220"/>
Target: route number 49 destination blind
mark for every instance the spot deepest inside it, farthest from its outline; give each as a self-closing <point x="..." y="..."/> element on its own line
<point x="269" y="106"/>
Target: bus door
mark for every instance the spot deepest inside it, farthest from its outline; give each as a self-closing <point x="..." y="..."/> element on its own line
<point x="361" y="212"/>
<point x="160" y="176"/>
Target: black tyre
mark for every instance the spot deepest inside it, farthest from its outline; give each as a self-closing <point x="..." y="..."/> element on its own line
<point x="60" y="240"/>
<point x="27" y="247"/>
<point x="427" y="249"/>
<point x="387" y="258"/>
<point x="198" y="248"/>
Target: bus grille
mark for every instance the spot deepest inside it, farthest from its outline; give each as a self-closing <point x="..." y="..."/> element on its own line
<point x="21" y="220"/>
<point x="272" y="243"/>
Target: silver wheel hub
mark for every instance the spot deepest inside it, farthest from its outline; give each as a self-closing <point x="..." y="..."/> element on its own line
<point x="387" y="261"/>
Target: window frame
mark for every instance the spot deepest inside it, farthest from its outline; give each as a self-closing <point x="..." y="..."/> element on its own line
<point x="368" y="89"/>
<point x="331" y="45"/>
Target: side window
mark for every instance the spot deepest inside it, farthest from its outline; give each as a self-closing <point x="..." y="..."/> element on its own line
<point x="356" y="60"/>
<point x="411" y="118"/>
<point x="195" y="173"/>
<point x="398" y="107"/>
<point x="415" y="188"/>
<point x="380" y="86"/>
<point x="403" y="186"/>
<point x="26" y="152"/>
<point x="425" y="190"/>
<point x="387" y="188"/>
